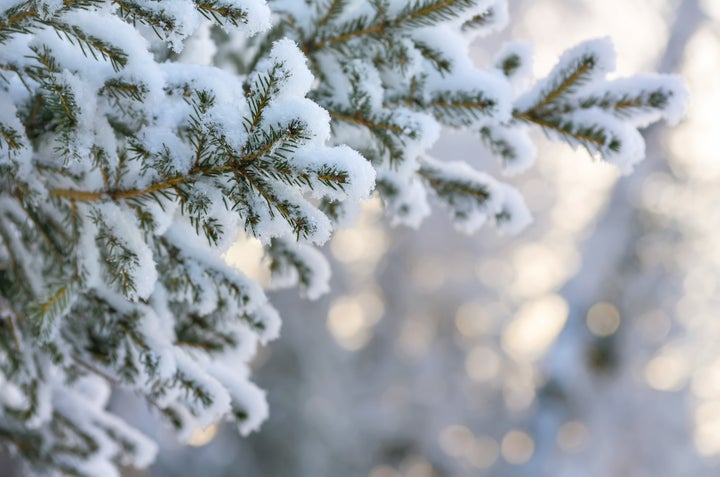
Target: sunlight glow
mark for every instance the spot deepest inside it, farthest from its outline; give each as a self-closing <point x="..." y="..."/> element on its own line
<point x="348" y="324"/>
<point x="535" y="327"/>
<point x="572" y="436"/>
<point x="666" y="372"/>
<point x="201" y="437"/>
<point x="603" y="319"/>
<point x="482" y="363"/>
<point x="517" y="447"/>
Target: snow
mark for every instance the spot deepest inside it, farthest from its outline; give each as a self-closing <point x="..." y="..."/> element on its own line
<point x="199" y="49"/>
<point x="341" y="159"/>
<point x="522" y="150"/>
<point x="287" y="275"/>
<point x="86" y="176"/>
<point x="641" y="86"/>
<point x="523" y="72"/>
<point x="631" y="144"/>
<point x="600" y="52"/>
<point x="123" y="227"/>
<point x="468" y="212"/>
<point x="514" y="215"/>
<point x="245" y="395"/>
<point x="205" y="413"/>
<point x="297" y="80"/>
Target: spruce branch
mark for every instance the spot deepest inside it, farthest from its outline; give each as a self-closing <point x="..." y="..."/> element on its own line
<point x="429" y="12"/>
<point x="417" y="14"/>
<point x="592" y="138"/>
<point x="161" y="23"/>
<point x="11" y="138"/>
<point x="221" y="12"/>
<point x="18" y="19"/>
<point x="333" y="10"/>
<point x="461" y="107"/>
<point x="452" y="189"/>
<point x="510" y="64"/>
<point x="565" y="80"/>
<point x="480" y="20"/>
<point x="89" y="44"/>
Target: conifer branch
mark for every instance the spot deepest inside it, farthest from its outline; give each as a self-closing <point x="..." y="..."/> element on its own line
<point x="333" y="10"/>
<point x="18" y="19"/>
<point x="356" y="118"/>
<point x="90" y="44"/>
<point x="592" y="138"/>
<point x="419" y="13"/>
<point x="134" y="12"/>
<point x="219" y="11"/>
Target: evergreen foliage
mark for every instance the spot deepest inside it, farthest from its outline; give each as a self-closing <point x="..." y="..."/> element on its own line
<point x="126" y="172"/>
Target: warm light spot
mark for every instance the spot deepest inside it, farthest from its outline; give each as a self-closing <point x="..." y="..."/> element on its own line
<point x="482" y="364"/>
<point x="201" y="437"/>
<point x="694" y="143"/>
<point x="711" y="8"/>
<point x="372" y="304"/>
<point x="247" y="255"/>
<point x="666" y="372"/>
<point x="707" y="428"/>
<point x="572" y="436"/>
<point x="384" y="471"/>
<point x="517" y="447"/>
<point x="416" y="466"/>
<point x="416" y="335"/>
<point x="345" y="318"/>
<point x="457" y="441"/>
<point x="348" y="246"/>
<point x="475" y="319"/>
<point x="535" y="327"/>
<point x="347" y="323"/>
<point x="603" y="319"/>
<point x="541" y="269"/>
<point x="706" y="381"/>
<point x="365" y="241"/>
<point x="485" y="452"/>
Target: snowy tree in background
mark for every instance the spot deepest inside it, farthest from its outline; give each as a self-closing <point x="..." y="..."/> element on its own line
<point x="127" y="170"/>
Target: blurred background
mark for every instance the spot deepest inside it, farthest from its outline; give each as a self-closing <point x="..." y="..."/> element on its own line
<point x="587" y="346"/>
